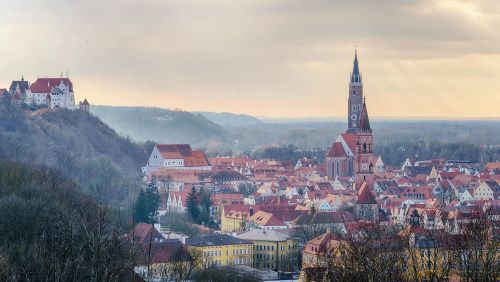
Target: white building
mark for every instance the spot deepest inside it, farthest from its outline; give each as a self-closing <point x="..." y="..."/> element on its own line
<point x="54" y="92"/>
<point x="176" y="156"/>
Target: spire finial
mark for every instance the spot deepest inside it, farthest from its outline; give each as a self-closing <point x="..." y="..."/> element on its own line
<point x="355" y="75"/>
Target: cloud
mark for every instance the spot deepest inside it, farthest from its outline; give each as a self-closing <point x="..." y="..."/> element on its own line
<point x="273" y="58"/>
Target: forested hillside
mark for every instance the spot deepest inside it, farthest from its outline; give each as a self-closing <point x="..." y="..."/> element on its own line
<point x="77" y="144"/>
<point x="51" y="231"/>
<point x="164" y="126"/>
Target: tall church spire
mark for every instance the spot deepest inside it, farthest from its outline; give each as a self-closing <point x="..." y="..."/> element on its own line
<point x="355" y="103"/>
<point x="355" y="76"/>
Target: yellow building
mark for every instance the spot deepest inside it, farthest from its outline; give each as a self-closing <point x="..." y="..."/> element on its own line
<point x="220" y="250"/>
<point x="272" y="250"/>
<point x="233" y="217"/>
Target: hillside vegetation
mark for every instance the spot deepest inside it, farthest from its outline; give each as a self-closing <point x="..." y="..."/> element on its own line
<point x="77" y="144"/>
<point x="50" y="231"/>
<point x="164" y="126"/>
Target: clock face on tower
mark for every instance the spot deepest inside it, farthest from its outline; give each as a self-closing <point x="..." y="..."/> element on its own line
<point x="354" y="117"/>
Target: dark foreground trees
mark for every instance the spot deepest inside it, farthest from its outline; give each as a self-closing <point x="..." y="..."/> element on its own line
<point x="381" y="253"/>
<point x="49" y="231"/>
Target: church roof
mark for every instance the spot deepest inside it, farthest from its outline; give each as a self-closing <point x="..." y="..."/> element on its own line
<point x="350" y="140"/>
<point x="336" y="150"/>
<point x="364" y="121"/>
<point x="365" y="195"/>
<point x="355" y="76"/>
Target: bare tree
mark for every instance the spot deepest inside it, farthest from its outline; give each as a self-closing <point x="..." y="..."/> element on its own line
<point x="477" y="246"/>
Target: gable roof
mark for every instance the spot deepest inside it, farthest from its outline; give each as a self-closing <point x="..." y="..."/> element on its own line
<point x="324" y="218"/>
<point x="336" y="150"/>
<point x="183" y="151"/>
<point x="365" y="195"/>
<point x="265" y="219"/>
<point x="23" y="86"/>
<point x="350" y="140"/>
<point x="45" y="85"/>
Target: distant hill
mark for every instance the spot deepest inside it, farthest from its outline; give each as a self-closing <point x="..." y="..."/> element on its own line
<point x="77" y="144"/>
<point x="164" y="126"/>
<point x="230" y="119"/>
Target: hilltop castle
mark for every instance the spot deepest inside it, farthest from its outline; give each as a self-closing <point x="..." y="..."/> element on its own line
<point x="52" y="93"/>
<point x="351" y="154"/>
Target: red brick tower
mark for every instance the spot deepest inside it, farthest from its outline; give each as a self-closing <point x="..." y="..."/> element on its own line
<point x="363" y="159"/>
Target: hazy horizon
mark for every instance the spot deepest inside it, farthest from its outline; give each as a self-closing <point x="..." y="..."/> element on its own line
<point x="278" y="59"/>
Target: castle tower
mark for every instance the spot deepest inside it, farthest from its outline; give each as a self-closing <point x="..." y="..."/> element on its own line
<point x="363" y="160"/>
<point x="355" y="102"/>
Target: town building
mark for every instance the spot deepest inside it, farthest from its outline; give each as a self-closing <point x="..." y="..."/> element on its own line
<point x="176" y="156"/>
<point x="273" y="249"/>
<point x="220" y="250"/>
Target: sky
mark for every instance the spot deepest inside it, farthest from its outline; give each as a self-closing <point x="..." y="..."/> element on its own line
<point x="274" y="58"/>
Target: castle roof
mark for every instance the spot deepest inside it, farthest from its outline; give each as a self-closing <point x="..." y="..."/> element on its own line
<point x="45" y="85"/>
<point x="365" y="195"/>
<point x="23" y="85"/>
<point x="85" y="102"/>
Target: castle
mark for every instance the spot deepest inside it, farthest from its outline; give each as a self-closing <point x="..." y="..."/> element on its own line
<point x="351" y="154"/>
<point x="52" y="93"/>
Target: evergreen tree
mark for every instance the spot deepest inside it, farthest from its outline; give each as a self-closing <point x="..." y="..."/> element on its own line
<point x="140" y="207"/>
<point x="205" y="205"/>
<point x="301" y="191"/>
<point x="152" y="200"/>
<point x="192" y="204"/>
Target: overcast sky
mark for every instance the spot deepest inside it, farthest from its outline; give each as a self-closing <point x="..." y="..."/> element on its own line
<point x="269" y="58"/>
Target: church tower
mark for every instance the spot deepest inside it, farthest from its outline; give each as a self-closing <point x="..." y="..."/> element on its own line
<point x="363" y="159"/>
<point x="355" y="102"/>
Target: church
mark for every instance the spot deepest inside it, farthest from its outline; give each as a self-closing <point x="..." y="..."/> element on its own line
<point x="351" y="154"/>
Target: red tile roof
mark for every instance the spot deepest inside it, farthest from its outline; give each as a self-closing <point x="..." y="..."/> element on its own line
<point x="365" y="195"/>
<point x="350" y="139"/>
<point x="183" y="151"/>
<point x="336" y="150"/>
<point x="45" y="85"/>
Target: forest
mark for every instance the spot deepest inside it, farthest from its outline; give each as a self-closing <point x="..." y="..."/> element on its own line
<point x="78" y="145"/>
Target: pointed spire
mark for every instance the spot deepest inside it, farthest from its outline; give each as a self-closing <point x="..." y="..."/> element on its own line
<point x="355" y="76"/>
<point x="22" y="77"/>
<point x="364" y="121"/>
